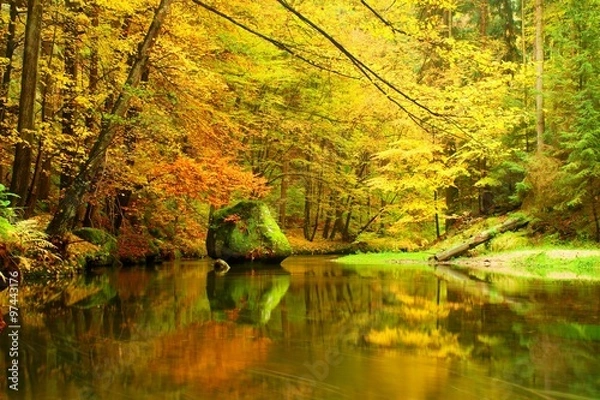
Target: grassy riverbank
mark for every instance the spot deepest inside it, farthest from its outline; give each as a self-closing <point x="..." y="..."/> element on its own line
<point x="385" y="258"/>
<point x="550" y="263"/>
<point x="523" y="253"/>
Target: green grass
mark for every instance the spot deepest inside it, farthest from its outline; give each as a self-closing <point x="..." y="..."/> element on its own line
<point x="384" y="258"/>
<point x="545" y="266"/>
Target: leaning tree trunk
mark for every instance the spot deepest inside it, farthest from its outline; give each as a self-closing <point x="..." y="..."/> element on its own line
<point x="67" y="208"/>
<point x="482" y="237"/>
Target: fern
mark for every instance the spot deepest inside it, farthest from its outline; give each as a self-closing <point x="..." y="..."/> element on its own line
<point x="29" y="245"/>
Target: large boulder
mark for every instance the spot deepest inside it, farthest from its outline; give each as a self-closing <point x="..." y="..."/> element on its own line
<point x="102" y="255"/>
<point x="245" y="232"/>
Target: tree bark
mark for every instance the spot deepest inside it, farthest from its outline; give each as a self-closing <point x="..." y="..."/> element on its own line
<point x="11" y="45"/>
<point x="510" y="36"/>
<point x="73" y="196"/>
<point x="283" y="193"/>
<point x="39" y="189"/>
<point x="71" y="67"/>
<point x="483" y="18"/>
<point x="26" y="122"/>
<point x="42" y="186"/>
<point x="482" y="237"/>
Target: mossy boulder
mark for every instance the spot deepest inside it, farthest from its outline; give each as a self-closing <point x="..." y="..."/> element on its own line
<point x="97" y="237"/>
<point x="107" y="247"/>
<point x="245" y="232"/>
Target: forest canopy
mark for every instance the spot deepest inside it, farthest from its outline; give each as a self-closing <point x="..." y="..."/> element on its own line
<point x="349" y="118"/>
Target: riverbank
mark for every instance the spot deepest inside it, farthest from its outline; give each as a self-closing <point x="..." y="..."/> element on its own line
<point x="542" y="263"/>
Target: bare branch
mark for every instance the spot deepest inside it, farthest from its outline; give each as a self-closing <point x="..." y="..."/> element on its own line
<point x="279" y="44"/>
<point x="362" y="67"/>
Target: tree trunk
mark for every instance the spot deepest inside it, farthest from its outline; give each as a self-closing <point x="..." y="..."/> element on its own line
<point x="67" y="207"/>
<point x="539" y="73"/>
<point x="510" y="36"/>
<point x="39" y="188"/>
<point x="483" y="18"/>
<point x="90" y="121"/>
<point x="308" y="193"/>
<point x="121" y="202"/>
<point x="71" y="67"/>
<point x="11" y="45"/>
<point x="346" y="231"/>
<point x="339" y="225"/>
<point x="482" y="237"/>
<point x="318" y="211"/>
<point x="26" y="122"/>
<point x="436" y="217"/>
<point x="42" y="187"/>
<point x="90" y="117"/>
<point x="283" y="193"/>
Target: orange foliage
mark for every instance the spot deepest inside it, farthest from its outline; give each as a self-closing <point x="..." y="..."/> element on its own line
<point x="213" y="180"/>
<point x="133" y="245"/>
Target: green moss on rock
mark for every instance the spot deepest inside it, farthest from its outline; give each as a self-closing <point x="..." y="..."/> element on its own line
<point x="106" y="242"/>
<point x="246" y="231"/>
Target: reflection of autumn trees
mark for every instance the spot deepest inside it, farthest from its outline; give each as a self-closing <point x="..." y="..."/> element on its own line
<point x="159" y="334"/>
<point x="246" y="298"/>
<point x="388" y="311"/>
<point x="208" y="356"/>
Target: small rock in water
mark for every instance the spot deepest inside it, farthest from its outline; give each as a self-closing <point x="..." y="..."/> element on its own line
<point x="221" y="267"/>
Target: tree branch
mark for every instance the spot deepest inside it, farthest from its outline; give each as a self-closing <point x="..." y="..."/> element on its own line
<point x="280" y="45"/>
<point x="362" y="67"/>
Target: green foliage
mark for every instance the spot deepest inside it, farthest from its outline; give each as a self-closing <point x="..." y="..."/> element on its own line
<point x="26" y="243"/>
<point x="543" y="264"/>
<point x="97" y="237"/>
<point x="509" y="241"/>
<point x="108" y="246"/>
<point x="29" y="244"/>
<point x="7" y="213"/>
<point x="6" y="229"/>
<point x="5" y="210"/>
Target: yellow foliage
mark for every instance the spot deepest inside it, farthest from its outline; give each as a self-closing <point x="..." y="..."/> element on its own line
<point x="436" y="343"/>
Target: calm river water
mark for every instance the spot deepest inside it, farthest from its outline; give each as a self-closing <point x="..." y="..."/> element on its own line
<point x="313" y="329"/>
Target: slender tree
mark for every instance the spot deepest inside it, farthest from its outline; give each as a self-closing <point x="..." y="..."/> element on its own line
<point x="26" y="123"/>
<point x="11" y="45"/>
<point x="539" y="73"/>
<point x="73" y="196"/>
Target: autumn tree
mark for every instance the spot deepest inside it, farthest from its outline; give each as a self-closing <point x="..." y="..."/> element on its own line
<point x="73" y="196"/>
<point x="26" y="123"/>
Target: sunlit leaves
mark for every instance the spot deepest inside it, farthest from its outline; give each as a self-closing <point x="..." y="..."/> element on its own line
<point x="212" y="182"/>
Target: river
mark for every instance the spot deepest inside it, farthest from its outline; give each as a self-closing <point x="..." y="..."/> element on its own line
<point x="311" y="329"/>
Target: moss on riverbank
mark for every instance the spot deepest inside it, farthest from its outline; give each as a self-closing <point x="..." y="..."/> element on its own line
<point x="543" y="263"/>
<point x="385" y="258"/>
<point x="550" y="264"/>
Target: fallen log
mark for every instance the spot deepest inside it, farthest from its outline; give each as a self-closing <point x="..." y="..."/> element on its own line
<point x="482" y="237"/>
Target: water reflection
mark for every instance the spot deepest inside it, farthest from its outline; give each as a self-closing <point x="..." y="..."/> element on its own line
<point x="247" y="295"/>
<point x="312" y="329"/>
